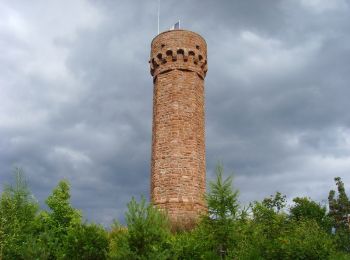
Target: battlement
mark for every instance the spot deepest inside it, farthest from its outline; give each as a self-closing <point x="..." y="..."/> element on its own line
<point x="178" y="49"/>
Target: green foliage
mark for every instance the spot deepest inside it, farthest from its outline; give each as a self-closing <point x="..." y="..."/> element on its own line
<point x="118" y="242"/>
<point x="276" y="202"/>
<point x="86" y="241"/>
<point x="216" y="231"/>
<point x="301" y="240"/>
<point x="267" y="219"/>
<point x="339" y="211"/>
<point x="56" y="223"/>
<point x="221" y="199"/>
<point x="270" y="235"/>
<point x="147" y="235"/>
<point x="18" y="210"/>
<point x="62" y="214"/>
<point x="185" y="245"/>
<point x="340" y="206"/>
<point x="26" y="233"/>
<point x="266" y="231"/>
<point x="305" y="208"/>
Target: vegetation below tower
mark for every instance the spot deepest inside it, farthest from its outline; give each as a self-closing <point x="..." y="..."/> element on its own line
<point x="264" y="230"/>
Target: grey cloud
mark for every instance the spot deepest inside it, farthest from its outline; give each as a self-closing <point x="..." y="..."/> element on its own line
<point x="77" y="96"/>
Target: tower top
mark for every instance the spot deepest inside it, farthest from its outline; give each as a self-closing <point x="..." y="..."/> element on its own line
<point x="176" y="31"/>
<point x="178" y="49"/>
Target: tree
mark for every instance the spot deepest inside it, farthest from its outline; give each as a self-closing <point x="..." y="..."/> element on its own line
<point x="56" y="223"/>
<point x="86" y="241"/>
<point x="272" y="234"/>
<point x="118" y="242"/>
<point x="223" y="210"/>
<point x="339" y="211"/>
<point x="339" y="208"/>
<point x="276" y="202"/>
<point x="221" y="199"/>
<point x="305" y="208"/>
<point x="267" y="224"/>
<point x="18" y="210"/>
<point x="147" y="236"/>
<point x="303" y="239"/>
<point x="62" y="213"/>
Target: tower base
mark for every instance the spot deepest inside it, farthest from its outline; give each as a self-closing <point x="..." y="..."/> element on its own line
<point x="182" y="215"/>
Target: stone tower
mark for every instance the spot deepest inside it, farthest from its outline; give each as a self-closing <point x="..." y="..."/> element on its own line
<point x="178" y="65"/>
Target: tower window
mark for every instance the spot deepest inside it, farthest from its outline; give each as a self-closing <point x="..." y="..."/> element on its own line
<point x="180" y="51"/>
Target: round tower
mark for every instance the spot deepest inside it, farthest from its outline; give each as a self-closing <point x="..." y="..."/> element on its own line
<point x="178" y="65"/>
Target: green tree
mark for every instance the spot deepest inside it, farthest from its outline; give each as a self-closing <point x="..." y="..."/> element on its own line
<point x="272" y="234"/>
<point x="267" y="224"/>
<point x="18" y="210"/>
<point x="86" y="241"/>
<point x="339" y="208"/>
<point x="216" y="230"/>
<point x="118" y="242"/>
<point x="147" y="236"/>
<point x="339" y="211"/>
<point x="62" y="214"/>
<point x="305" y="208"/>
<point x="222" y="199"/>
<point x="57" y="222"/>
<point x="275" y="202"/>
<point x="303" y="239"/>
<point x="186" y="245"/>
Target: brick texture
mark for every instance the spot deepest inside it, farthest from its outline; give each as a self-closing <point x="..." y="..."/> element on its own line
<point x="178" y="65"/>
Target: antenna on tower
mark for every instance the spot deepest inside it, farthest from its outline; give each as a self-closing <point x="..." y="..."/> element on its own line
<point x="176" y="26"/>
<point x="158" y="14"/>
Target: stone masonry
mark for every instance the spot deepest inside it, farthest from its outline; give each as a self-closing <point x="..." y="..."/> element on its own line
<point x="178" y="66"/>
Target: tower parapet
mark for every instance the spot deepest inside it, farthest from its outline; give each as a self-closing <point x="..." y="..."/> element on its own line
<point x="186" y="51"/>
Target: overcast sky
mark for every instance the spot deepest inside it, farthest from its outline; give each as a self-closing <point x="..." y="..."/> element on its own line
<point x="76" y="95"/>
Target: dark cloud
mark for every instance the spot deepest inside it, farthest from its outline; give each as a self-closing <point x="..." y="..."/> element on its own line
<point x="76" y="95"/>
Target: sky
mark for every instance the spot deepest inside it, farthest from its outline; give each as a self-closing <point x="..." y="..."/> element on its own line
<point x="76" y="96"/>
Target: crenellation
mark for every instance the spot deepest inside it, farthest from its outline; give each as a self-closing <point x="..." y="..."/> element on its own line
<point x="177" y="58"/>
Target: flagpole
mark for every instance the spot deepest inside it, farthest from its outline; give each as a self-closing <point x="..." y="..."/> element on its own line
<point x="158" y="14"/>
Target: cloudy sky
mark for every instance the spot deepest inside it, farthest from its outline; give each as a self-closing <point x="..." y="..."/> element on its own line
<point x="76" y="95"/>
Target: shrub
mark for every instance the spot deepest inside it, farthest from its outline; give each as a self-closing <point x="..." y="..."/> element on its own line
<point x="147" y="236"/>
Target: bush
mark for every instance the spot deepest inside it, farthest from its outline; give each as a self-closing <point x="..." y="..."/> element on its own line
<point x="305" y="208"/>
<point x="86" y="241"/>
<point x="147" y="235"/>
<point x="185" y="246"/>
<point x="303" y="240"/>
